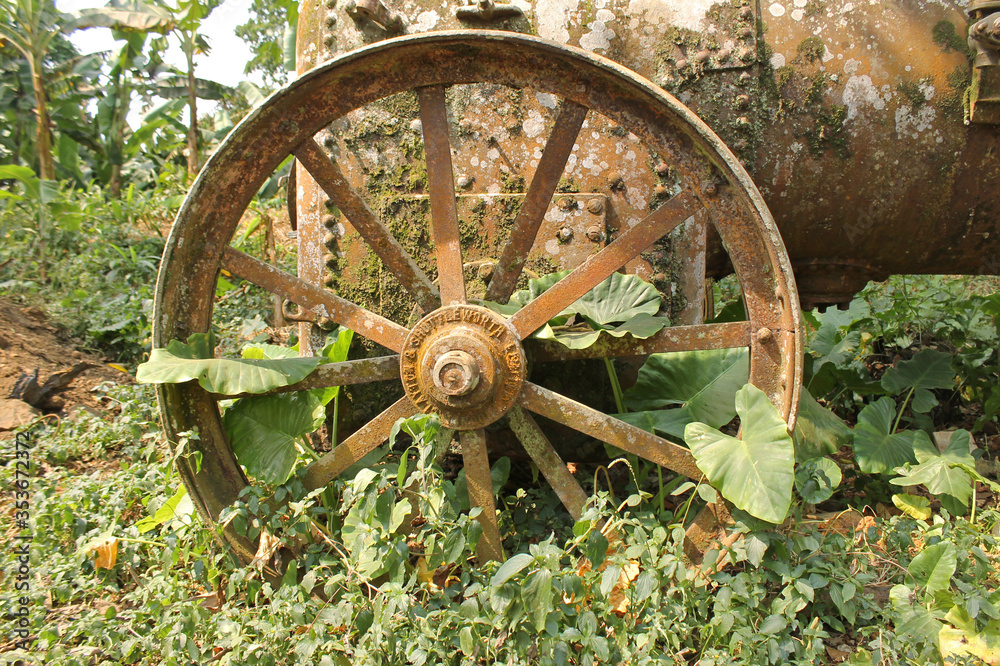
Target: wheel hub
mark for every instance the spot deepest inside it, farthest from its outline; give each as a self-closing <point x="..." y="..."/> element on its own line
<point x="463" y="363"/>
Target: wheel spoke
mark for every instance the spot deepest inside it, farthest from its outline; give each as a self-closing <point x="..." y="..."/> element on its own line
<point x="608" y="429"/>
<point x="536" y="201"/>
<point x="480" y="484"/>
<point x="671" y="339"/>
<point x="441" y="186"/>
<point x="551" y="465"/>
<point x="357" y="446"/>
<point x="361" y="371"/>
<point x="598" y="267"/>
<point x="363" y="322"/>
<point x="397" y="260"/>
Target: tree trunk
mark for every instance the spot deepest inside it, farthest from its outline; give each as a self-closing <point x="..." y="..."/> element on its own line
<point x="192" y="138"/>
<point x="46" y="164"/>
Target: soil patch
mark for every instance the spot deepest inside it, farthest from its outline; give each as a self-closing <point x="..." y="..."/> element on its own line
<point x="29" y="344"/>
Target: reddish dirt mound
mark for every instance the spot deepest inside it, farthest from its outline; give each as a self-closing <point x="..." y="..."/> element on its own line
<point x="29" y="344"/>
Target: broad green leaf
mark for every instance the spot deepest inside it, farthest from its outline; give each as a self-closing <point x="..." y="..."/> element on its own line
<point x="818" y="431"/>
<point x="510" y="568"/>
<point x="618" y="298"/>
<point x="829" y="347"/>
<point x="641" y="326"/>
<point x="754" y="473"/>
<point x="914" y="506"/>
<point x="178" y="506"/>
<point x="816" y="479"/>
<point x="923" y="401"/>
<point x="263" y="431"/>
<point x="935" y="469"/>
<point x="705" y="382"/>
<point x="876" y="448"/>
<point x="966" y="646"/>
<point x="536" y="287"/>
<point x="934" y="566"/>
<point x="928" y="369"/>
<point x="266" y="351"/>
<point x="669" y="422"/>
<point x="335" y="351"/>
<point x="180" y="362"/>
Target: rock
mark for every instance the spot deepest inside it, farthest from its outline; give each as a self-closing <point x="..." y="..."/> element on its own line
<point x="16" y="413"/>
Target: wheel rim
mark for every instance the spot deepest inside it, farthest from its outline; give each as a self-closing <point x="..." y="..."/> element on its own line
<point x="286" y="124"/>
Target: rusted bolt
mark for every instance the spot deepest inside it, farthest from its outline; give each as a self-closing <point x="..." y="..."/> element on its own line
<point x="743" y="78"/>
<point x="456" y="373"/>
<point x="745" y="54"/>
<point x="566" y="203"/>
<point x="464" y="182"/>
<point x="330" y="260"/>
<point x="722" y="55"/>
<point x="746" y="12"/>
<point x="743" y="122"/>
<point x="660" y="277"/>
<point x="702" y="56"/>
<point x="764" y="334"/>
<point x="330" y="241"/>
<point x="565" y="234"/>
<point x="745" y="32"/>
<point x="681" y="64"/>
<point x="662" y="168"/>
<point x="485" y="271"/>
<point x="710" y="189"/>
<point x="661" y="190"/>
<point x="615" y="180"/>
<point x="595" y="206"/>
<point x="742" y="101"/>
<point x="595" y="233"/>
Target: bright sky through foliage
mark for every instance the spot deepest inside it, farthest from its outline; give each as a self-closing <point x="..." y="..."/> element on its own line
<point x="224" y="63"/>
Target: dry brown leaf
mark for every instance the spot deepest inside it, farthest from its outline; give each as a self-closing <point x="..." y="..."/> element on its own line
<point x="106" y="554"/>
<point x="266" y="549"/>
<point x="836" y="655"/>
<point x="619" y="599"/>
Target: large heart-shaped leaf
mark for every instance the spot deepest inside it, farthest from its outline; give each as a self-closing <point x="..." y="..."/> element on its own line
<point x="818" y="431"/>
<point x="933" y="568"/>
<point x="935" y="469"/>
<point x="180" y="362"/>
<point x="661" y="421"/>
<point x="756" y="472"/>
<point x="641" y="326"/>
<point x="928" y="369"/>
<point x="263" y="431"/>
<point x="705" y="382"/>
<point x="618" y="298"/>
<point x="876" y="447"/>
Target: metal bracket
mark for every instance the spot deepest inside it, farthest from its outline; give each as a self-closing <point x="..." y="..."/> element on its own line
<point x="487" y="10"/>
<point x="376" y="12"/>
<point x="984" y="40"/>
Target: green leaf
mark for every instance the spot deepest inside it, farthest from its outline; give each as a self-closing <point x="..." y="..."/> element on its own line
<point x="933" y="567"/>
<point x="670" y="422"/>
<point x="928" y="369"/>
<point x="263" y="431"/>
<point x="180" y="362"/>
<point x="876" y="448"/>
<point x="705" y="382"/>
<point x="511" y="568"/>
<point x="754" y="473"/>
<point x="179" y="505"/>
<point x="935" y="469"/>
<point x="914" y="506"/>
<point x="816" y="479"/>
<point x="641" y="326"/>
<point x="818" y="431"/>
<point x="618" y="298"/>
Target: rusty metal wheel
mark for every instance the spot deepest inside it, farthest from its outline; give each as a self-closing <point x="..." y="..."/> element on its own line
<point x="460" y="360"/>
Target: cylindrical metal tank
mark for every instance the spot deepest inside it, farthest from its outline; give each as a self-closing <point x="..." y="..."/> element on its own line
<point x="863" y="122"/>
